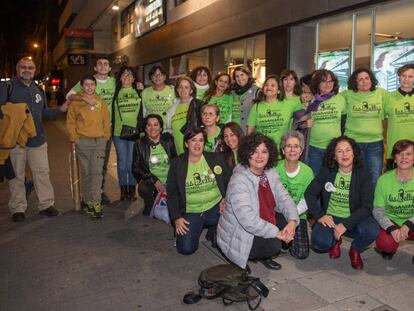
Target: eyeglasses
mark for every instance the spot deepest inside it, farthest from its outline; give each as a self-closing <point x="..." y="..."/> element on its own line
<point x="327" y="81"/>
<point x="27" y="67"/>
<point x="342" y="151"/>
<point x="127" y="74"/>
<point x="292" y="147"/>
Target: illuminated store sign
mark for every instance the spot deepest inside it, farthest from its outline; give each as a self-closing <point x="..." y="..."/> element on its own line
<point x="149" y="14"/>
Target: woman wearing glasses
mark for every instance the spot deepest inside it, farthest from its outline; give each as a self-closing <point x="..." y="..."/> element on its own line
<point x="340" y="200"/>
<point x="326" y="112"/>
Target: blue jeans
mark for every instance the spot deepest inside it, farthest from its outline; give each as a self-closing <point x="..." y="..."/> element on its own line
<point x="315" y="159"/>
<point x="187" y="244"/>
<point x="363" y="234"/>
<point x="124" y="149"/>
<point x="372" y="155"/>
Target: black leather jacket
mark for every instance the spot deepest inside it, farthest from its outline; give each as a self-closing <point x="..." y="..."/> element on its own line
<point x="141" y="154"/>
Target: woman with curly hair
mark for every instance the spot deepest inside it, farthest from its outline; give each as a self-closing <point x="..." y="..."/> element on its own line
<point x="259" y="212"/>
<point x="219" y="94"/>
<point x="340" y="200"/>
<point x="326" y="112"/>
<point x="365" y="111"/>
<point x="270" y="115"/>
<point x="202" y="79"/>
<point x="232" y="135"/>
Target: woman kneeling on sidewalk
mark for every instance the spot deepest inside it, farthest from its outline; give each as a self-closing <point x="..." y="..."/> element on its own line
<point x="259" y="212"/>
<point x="196" y="187"/>
<point x="394" y="201"/>
<point x="346" y="207"/>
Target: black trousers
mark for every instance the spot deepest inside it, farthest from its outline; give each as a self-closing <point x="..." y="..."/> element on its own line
<point x="266" y="248"/>
<point x="148" y="192"/>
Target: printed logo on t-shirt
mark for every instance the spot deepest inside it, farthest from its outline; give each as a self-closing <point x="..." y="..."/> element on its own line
<point x="327" y="113"/>
<point x="199" y="180"/>
<point x="406" y="109"/>
<point x="365" y="107"/>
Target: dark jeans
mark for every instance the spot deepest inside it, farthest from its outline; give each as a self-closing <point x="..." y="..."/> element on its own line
<point x="363" y="234"/>
<point x="267" y="248"/>
<point x="372" y="154"/>
<point x="315" y="159"/>
<point x="188" y="244"/>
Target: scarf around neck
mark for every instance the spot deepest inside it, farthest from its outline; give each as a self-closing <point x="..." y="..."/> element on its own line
<point x="239" y="90"/>
<point x="314" y="106"/>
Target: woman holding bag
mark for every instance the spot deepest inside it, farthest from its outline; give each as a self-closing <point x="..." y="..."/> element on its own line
<point x="126" y="116"/>
<point x="151" y="160"/>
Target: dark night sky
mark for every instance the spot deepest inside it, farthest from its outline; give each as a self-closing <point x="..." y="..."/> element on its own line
<point x="20" y="20"/>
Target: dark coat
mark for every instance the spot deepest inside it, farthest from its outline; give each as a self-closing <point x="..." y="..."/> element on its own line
<point x="361" y="195"/>
<point x="178" y="173"/>
<point x="141" y="154"/>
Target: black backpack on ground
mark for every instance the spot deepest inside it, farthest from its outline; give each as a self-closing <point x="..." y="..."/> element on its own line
<point x="231" y="283"/>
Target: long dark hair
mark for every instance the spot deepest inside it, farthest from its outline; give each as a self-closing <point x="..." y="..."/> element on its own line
<point x="329" y="157"/>
<point x="261" y="97"/>
<point x="352" y="80"/>
<point x="213" y="87"/>
<point x="237" y="130"/>
<point x="284" y="75"/>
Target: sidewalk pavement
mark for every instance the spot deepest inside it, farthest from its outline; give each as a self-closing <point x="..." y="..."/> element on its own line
<point x="129" y="263"/>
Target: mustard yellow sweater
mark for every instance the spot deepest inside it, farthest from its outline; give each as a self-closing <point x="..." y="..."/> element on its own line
<point x="83" y="120"/>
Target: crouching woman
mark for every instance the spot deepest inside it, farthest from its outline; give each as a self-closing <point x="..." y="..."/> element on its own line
<point x="196" y="185"/>
<point x="259" y="212"/>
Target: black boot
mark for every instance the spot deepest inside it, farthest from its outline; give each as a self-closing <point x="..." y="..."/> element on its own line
<point x="148" y="203"/>
<point x="132" y="193"/>
<point x="124" y="193"/>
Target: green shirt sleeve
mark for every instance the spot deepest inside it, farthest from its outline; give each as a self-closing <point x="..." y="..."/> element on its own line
<point x="251" y="120"/>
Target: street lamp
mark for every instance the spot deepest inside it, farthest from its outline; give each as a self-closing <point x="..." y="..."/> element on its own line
<point x="35" y="45"/>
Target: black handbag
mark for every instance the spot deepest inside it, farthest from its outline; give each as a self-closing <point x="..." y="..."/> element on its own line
<point x="130" y="133"/>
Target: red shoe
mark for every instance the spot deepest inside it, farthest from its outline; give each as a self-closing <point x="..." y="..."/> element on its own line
<point x="356" y="260"/>
<point x="335" y="251"/>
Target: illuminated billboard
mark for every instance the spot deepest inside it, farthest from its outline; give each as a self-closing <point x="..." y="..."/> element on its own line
<point x="149" y="14"/>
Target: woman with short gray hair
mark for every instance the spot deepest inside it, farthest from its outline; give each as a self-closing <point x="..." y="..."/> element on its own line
<point x="296" y="176"/>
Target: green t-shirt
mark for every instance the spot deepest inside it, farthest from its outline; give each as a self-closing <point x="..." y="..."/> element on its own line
<point x="159" y="163"/>
<point x="225" y="104"/>
<point x="200" y="93"/>
<point x="201" y="189"/>
<point x="327" y="121"/>
<point x="158" y="102"/>
<point x="105" y="89"/>
<point x="236" y="158"/>
<point x="178" y="120"/>
<point x="339" y="201"/>
<point x="273" y="119"/>
<point x="211" y="143"/>
<point x="397" y="198"/>
<point x="128" y="103"/>
<point x="293" y="100"/>
<point x="365" y="112"/>
<point x="296" y="185"/>
<point x="400" y="112"/>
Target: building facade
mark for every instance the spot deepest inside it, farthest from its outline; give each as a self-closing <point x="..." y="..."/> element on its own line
<point x="267" y="35"/>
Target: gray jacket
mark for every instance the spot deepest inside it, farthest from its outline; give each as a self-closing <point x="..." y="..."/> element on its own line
<point x="241" y="220"/>
<point x="245" y="105"/>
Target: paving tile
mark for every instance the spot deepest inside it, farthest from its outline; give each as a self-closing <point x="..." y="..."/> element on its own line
<point x="358" y="303"/>
<point x="331" y="287"/>
<point x="398" y="295"/>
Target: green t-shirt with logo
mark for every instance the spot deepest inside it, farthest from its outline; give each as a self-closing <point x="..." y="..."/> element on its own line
<point x="178" y="120"/>
<point x="365" y="112"/>
<point x="200" y="92"/>
<point x="339" y="201"/>
<point x="327" y="121"/>
<point x="201" y="189"/>
<point x="296" y="185"/>
<point x="158" y="102"/>
<point x="395" y="197"/>
<point x="400" y="112"/>
<point x="127" y="104"/>
<point x="273" y="119"/>
<point x="159" y="163"/>
<point x="105" y="89"/>
<point x="211" y="142"/>
<point x="225" y="104"/>
<point x="293" y="100"/>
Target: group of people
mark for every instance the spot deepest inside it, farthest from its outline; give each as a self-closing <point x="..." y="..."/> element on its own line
<point x="254" y="165"/>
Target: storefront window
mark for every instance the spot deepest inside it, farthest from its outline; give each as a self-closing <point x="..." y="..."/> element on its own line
<point x="127" y="20"/>
<point x="249" y="52"/>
